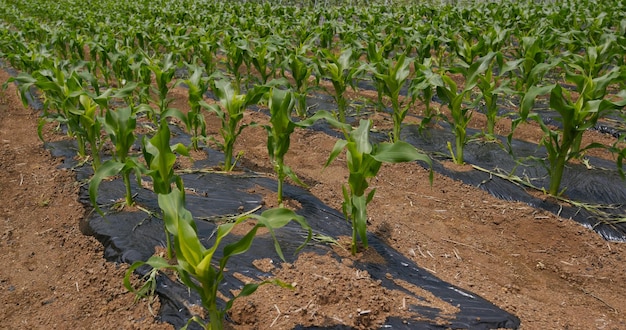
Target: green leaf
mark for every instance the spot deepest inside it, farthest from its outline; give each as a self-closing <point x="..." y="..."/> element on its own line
<point x="339" y="146"/>
<point x="510" y="66"/>
<point x="360" y="137"/>
<point x="240" y="246"/>
<point x="360" y="218"/>
<point x="398" y="152"/>
<point x="106" y="170"/>
<point x="280" y="217"/>
<point x="179" y="222"/>
<point x="528" y="101"/>
<point x="477" y="68"/>
<point x="154" y="262"/>
<point x="292" y="175"/>
<point x="329" y="117"/>
<point x="277" y="217"/>
<point x="562" y="105"/>
<point x="175" y="113"/>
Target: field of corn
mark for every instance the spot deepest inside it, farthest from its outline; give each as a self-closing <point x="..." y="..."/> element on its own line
<point x="375" y="76"/>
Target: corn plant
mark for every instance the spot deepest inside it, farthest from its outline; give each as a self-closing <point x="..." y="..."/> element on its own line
<point x="342" y="70"/>
<point x="89" y="126"/>
<point x="301" y="70"/>
<point x="196" y="266"/>
<point x="263" y="56"/>
<point x="235" y="47"/>
<point x="421" y="86"/>
<point x="120" y="125"/>
<point x="467" y="48"/>
<point x="492" y="85"/>
<point x="143" y="73"/>
<point x="95" y="107"/>
<point x="163" y="71"/>
<point x="63" y="89"/>
<point x="375" y="58"/>
<point x="197" y="84"/>
<point x="535" y="62"/>
<point x="576" y="114"/>
<point x="160" y="158"/>
<point x="233" y="106"/>
<point x="364" y="160"/>
<point x="496" y="37"/>
<point x="460" y="114"/>
<point x="393" y="76"/>
<point x="120" y="59"/>
<point x="279" y="131"/>
<point x="281" y="103"/>
<point x="207" y="47"/>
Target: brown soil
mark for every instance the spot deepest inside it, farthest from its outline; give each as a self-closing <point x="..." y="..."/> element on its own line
<point x="550" y="272"/>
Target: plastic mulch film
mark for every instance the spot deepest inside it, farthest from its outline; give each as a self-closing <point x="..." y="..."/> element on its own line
<point x="594" y="193"/>
<point x="132" y="236"/>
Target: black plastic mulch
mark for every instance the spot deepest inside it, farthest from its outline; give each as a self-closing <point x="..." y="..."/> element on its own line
<point x="129" y="237"/>
<point x="132" y="236"/>
<point x="601" y="189"/>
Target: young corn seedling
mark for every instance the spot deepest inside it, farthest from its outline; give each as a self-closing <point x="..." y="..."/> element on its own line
<point x="197" y="85"/>
<point x="235" y="46"/>
<point x="364" y="160"/>
<point x="120" y="61"/>
<point x="160" y="159"/>
<point x="576" y="114"/>
<point x="535" y="63"/>
<point x="393" y="75"/>
<point x="279" y="132"/>
<point x="120" y="125"/>
<point x="263" y="56"/>
<point x="342" y="71"/>
<point x="460" y="114"/>
<point x="143" y="72"/>
<point x="89" y="126"/>
<point x="375" y="58"/>
<point x="301" y="69"/>
<point x="233" y="106"/>
<point x="492" y="86"/>
<point x="281" y="103"/>
<point x="64" y="92"/>
<point x="196" y="265"/>
<point x="163" y="71"/>
<point x="94" y="106"/>
<point x="467" y="49"/>
<point x="207" y="48"/>
<point x="421" y="86"/>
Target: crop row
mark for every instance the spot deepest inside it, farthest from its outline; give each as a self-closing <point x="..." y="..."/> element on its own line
<point x="101" y="66"/>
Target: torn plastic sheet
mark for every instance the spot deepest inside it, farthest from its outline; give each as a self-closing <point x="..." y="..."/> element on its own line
<point x="132" y="236"/>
